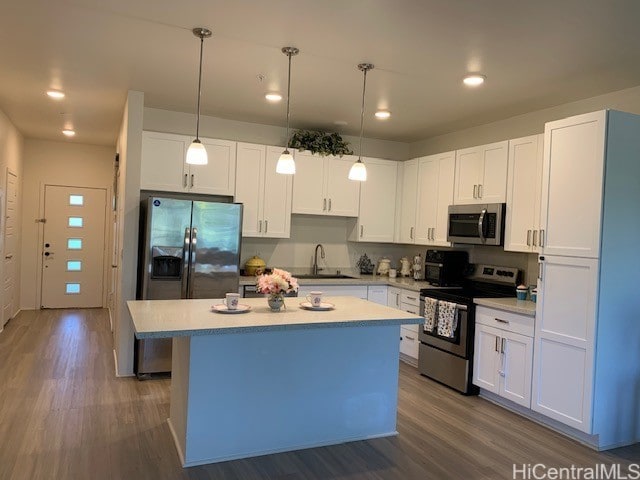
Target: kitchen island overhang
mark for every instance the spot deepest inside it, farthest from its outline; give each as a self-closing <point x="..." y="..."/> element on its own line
<point x="262" y="382"/>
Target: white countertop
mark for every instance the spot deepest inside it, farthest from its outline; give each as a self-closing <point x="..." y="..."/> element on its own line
<point x="176" y="318"/>
<point x="407" y="283"/>
<point x="510" y="304"/>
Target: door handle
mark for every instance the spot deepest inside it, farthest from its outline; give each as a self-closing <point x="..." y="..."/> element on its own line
<point x="475" y="191"/>
<point x="540" y="268"/>
<point x="500" y="320"/>
<point x="542" y="238"/>
<point x="324" y="204"/>
<point x="528" y="238"/>
<point x="266" y="226"/>
<point x="480" y="191"/>
<point x="329" y="204"/>
<point x="535" y="238"/>
<point x="496" y="344"/>
<point x="503" y="342"/>
<point x="259" y="226"/>
<point x="411" y="233"/>
<point x="361" y="230"/>
<point x="184" y="181"/>
<point x="194" y="245"/>
<point x="192" y="180"/>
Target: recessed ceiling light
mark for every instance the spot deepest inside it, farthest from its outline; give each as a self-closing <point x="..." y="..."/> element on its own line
<point x="383" y="114"/>
<point x="474" y="80"/>
<point x="273" y="97"/>
<point x="57" y="94"/>
<point x="68" y="132"/>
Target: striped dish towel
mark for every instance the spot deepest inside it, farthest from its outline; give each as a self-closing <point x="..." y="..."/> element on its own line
<point x="447" y="319"/>
<point x="430" y="313"/>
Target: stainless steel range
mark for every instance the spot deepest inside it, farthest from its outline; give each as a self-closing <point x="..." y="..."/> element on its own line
<point x="446" y="342"/>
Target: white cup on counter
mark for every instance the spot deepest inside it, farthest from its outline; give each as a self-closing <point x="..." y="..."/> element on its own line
<point x="393" y="273"/>
<point x="315" y="298"/>
<point x="231" y="300"/>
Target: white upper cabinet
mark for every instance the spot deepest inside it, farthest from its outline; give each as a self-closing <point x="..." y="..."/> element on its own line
<point x="321" y="186"/>
<point x="266" y="195"/>
<point x="574" y="152"/>
<point x="376" y="220"/>
<point x="524" y="191"/>
<point x="163" y="166"/>
<point x="481" y="174"/>
<point x="434" y="195"/>
<point x="408" y="196"/>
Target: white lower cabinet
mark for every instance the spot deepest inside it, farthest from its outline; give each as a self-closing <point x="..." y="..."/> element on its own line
<point x="409" y="301"/>
<point x="503" y="359"/>
<point x="377" y="294"/>
<point x="359" y="291"/>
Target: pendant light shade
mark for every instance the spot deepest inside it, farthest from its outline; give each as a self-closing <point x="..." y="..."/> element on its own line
<point x="286" y="164"/>
<point x="358" y="171"/>
<point x="197" y="153"/>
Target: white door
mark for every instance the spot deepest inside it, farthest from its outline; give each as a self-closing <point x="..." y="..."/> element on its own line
<point x="486" y="356"/>
<point x="517" y="362"/>
<point x="308" y="184"/>
<point x="277" y="197"/>
<point x="468" y="173"/>
<point x="73" y="247"/>
<point x="162" y="162"/>
<point x="493" y="181"/>
<point x="409" y="202"/>
<point x="574" y="151"/>
<point x="343" y="195"/>
<point x="218" y="176"/>
<point x="249" y="187"/>
<point x="446" y="180"/>
<point x="9" y="307"/>
<point x="378" y="201"/>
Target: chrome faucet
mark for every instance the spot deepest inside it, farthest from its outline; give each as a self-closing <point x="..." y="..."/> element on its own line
<point x="315" y="259"/>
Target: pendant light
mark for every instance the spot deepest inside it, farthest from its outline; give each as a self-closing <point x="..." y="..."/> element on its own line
<point x="197" y="154"/>
<point x="286" y="165"/>
<point x="358" y="170"/>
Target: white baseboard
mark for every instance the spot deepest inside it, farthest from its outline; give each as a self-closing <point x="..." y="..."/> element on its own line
<point x="115" y="367"/>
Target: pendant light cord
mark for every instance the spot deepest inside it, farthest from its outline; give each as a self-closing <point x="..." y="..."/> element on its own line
<point x="364" y="88"/>
<point x="199" y="89"/>
<point x="286" y="147"/>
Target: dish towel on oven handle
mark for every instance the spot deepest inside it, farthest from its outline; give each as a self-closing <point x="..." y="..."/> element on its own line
<point x="430" y="313"/>
<point x="447" y="319"/>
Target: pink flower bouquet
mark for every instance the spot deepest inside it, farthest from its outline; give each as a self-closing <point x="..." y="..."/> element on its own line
<point x="278" y="282"/>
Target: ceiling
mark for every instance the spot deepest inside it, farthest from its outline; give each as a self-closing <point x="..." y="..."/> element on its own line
<point x="535" y="54"/>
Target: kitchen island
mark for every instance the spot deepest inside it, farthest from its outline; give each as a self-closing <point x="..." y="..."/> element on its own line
<point x="262" y="382"/>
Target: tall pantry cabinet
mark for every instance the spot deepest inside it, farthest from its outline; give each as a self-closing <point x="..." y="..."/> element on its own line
<point x="587" y="339"/>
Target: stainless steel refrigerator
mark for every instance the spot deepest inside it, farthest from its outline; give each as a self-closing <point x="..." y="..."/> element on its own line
<point x="188" y="249"/>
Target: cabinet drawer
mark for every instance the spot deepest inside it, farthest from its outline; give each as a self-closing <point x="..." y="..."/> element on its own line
<point x="413" y="328"/>
<point x="407" y="307"/>
<point x="409" y="343"/>
<point x="512" y="322"/>
<point x="412" y="298"/>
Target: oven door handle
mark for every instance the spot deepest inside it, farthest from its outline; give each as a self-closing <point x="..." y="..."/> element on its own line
<point x="459" y="306"/>
<point x="481" y="225"/>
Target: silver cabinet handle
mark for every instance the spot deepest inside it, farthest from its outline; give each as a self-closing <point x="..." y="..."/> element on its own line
<point x="324" y="204"/>
<point x="475" y="191"/>
<point x="528" y="238"/>
<point x="542" y="238"/>
<point x="501" y="321"/>
<point x="193" y="180"/>
<point x="503" y="342"/>
<point x="397" y="299"/>
<point x="480" y="191"/>
<point x="496" y="345"/>
<point x="433" y="233"/>
<point x="411" y="233"/>
<point x="411" y="298"/>
<point x="361" y="230"/>
<point x="540" y="266"/>
<point x="329" y="204"/>
<point x="259" y="226"/>
<point x="266" y="226"/>
<point x="408" y="337"/>
<point x="184" y="181"/>
<point x="535" y="238"/>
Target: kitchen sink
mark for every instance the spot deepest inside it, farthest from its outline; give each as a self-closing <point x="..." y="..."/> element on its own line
<point x="320" y="276"/>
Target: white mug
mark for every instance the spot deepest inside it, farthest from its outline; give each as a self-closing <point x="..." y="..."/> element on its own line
<point x="315" y="298"/>
<point x="231" y="300"/>
<point x="393" y="273"/>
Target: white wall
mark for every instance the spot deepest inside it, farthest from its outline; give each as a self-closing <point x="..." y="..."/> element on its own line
<point x="130" y="150"/>
<point x="54" y="163"/>
<point x="627" y="100"/>
<point x="11" y="158"/>
<point x="177" y="122"/>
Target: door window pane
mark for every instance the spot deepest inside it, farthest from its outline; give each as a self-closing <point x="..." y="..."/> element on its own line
<point x="76" y="200"/>
<point x="74" y="265"/>
<point x="74" y="243"/>
<point x="75" y="221"/>
<point x="73" y="288"/>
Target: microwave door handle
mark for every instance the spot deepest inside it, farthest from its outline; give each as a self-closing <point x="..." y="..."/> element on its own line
<point x="481" y="225"/>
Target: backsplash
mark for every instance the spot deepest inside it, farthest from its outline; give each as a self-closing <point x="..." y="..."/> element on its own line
<point x="307" y="231"/>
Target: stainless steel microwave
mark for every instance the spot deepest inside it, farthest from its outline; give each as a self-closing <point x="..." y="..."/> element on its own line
<point x="481" y="224"/>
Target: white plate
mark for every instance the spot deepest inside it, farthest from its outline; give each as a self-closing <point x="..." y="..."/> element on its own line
<point x="322" y="306"/>
<point x="222" y="308"/>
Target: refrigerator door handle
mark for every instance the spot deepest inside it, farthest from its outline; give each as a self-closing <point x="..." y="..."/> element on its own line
<point x="192" y="267"/>
<point x="185" y="262"/>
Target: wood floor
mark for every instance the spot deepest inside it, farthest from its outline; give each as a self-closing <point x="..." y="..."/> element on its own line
<point x="63" y="415"/>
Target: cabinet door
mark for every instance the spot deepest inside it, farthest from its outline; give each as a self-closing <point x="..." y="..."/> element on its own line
<point x="250" y="187"/>
<point x="343" y="195"/>
<point x="409" y="202"/>
<point x="377" y="294"/>
<point x="427" y="204"/>
<point x="523" y="192"/>
<point x="378" y="201"/>
<point x="572" y="185"/>
<point x="277" y="198"/>
<point x="218" y="176"/>
<point x="162" y="163"/>
<point x="446" y="180"/>
<point x="308" y="185"/>
<point x="469" y="170"/>
<point x="485" y="358"/>
<point x="393" y="297"/>
<point x="493" y="179"/>
<point x="409" y="343"/>
<point x="517" y="366"/>
<point x="564" y="340"/>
